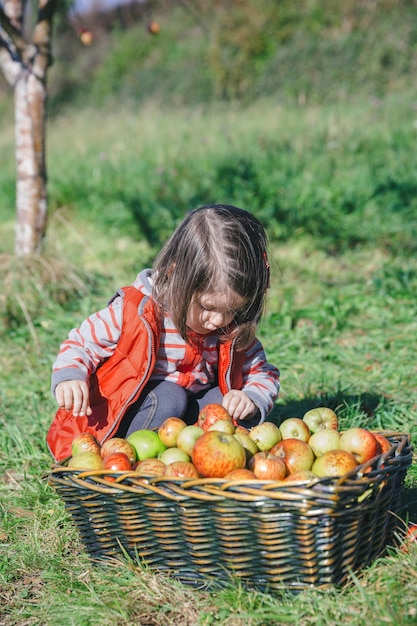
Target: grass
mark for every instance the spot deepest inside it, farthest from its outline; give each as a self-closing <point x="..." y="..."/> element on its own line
<point x="340" y="323"/>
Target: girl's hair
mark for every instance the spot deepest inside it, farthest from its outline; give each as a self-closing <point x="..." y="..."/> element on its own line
<point x="216" y="248"/>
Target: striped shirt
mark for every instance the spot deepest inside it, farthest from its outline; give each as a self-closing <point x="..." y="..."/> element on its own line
<point x="191" y="365"/>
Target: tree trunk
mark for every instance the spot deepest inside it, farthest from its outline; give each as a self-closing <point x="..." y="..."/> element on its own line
<point x="25" y="65"/>
<point x="31" y="187"/>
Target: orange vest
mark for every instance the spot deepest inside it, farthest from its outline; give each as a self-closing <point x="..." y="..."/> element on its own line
<point x="119" y="381"/>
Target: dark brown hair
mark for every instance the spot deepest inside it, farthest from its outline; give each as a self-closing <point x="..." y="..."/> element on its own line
<point x="216" y="248"/>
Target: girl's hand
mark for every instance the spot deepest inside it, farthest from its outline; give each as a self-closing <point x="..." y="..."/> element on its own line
<point x="73" y="394"/>
<point x="239" y="405"/>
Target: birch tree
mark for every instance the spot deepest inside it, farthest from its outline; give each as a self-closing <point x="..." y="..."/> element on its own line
<point x="25" y="55"/>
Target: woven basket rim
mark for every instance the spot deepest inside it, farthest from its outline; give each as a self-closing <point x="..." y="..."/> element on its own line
<point x="354" y="483"/>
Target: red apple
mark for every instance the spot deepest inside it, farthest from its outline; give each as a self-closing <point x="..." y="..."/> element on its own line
<point x="150" y="467"/>
<point x="153" y="27"/>
<point x="296" y="454"/>
<point x="267" y="466"/>
<point x="172" y="455"/>
<point x="187" y="437"/>
<point x="360" y="442"/>
<point x="321" y="418"/>
<point x="384" y="444"/>
<point x="242" y="473"/>
<point x="265" y="435"/>
<point x="85" y="442"/>
<point x="181" y="469"/>
<point x="86" y="460"/>
<point x="294" y="428"/>
<point x="334" y="463"/>
<point x="410" y="537"/>
<point x="324" y="440"/>
<point x="216" y="453"/>
<point x="169" y="431"/>
<point x="301" y="476"/>
<point x="210" y="413"/>
<point x="117" y="461"/>
<point x="118" y="444"/>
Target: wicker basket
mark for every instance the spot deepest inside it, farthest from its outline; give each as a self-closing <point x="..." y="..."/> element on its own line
<point x="271" y="536"/>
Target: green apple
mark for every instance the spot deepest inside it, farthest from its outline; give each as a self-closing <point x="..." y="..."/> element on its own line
<point x="265" y="435"/>
<point x="324" y="440"/>
<point x="321" y="418"/>
<point x="188" y="436"/>
<point x="146" y="443"/>
<point x="86" y="460"/>
<point x="224" y="426"/>
<point x="295" y="428"/>
<point x="250" y="446"/>
<point x="172" y="455"/>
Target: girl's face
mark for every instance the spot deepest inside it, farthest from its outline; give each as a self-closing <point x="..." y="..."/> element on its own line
<point x="211" y="311"/>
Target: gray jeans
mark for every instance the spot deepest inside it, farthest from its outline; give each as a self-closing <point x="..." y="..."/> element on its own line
<point x="160" y="400"/>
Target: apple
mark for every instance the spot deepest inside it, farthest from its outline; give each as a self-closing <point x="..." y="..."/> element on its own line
<point x="118" y="444"/>
<point x="250" y="446"/>
<point x="187" y="437"/>
<point x="153" y="27"/>
<point x="265" y="435"/>
<point x="334" y="463"/>
<point x="324" y="440"/>
<point x="267" y="466"/>
<point x="296" y="454"/>
<point x="360" y="442"/>
<point x="294" y="428"/>
<point x="216" y="453"/>
<point x="150" y="467"/>
<point x="321" y="418"/>
<point x="384" y="444"/>
<point x="224" y="426"/>
<point x="210" y="413"/>
<point x="242" y="473"/>
<point x="181" y="469"/>
<point x="242" y="429"/>
<point x="85" y="442"/>
<point x="117" y="461"/>
<point x="410" y="537"/>
<point x="86" y="460"/>
<point x="171" y="455"/>
<point x="146" y="443"/>
<point x="169" y="431"/>
<point x="301" y="476"/>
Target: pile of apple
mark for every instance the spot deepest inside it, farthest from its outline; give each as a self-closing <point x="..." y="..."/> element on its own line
<point x="217" y="447"/>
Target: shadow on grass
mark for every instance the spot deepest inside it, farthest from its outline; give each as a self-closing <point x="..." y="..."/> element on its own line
<point x="362" y="403"/>
<point x="408" y="509"/>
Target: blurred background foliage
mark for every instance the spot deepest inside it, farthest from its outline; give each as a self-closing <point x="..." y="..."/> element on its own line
<point x="315" y="51"/>
<point x="315" y="71"/>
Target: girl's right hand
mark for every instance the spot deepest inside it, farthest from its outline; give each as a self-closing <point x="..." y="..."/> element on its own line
<point x="73" y="394"/>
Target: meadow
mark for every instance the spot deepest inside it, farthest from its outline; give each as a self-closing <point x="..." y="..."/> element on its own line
<point x="335" y="187"/>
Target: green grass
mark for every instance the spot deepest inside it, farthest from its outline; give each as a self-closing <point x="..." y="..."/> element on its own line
<point x="340" y="323"/>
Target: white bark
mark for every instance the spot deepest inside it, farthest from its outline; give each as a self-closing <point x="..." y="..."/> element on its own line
<point x="31" y="193"/>
<point x="24" y="65"/>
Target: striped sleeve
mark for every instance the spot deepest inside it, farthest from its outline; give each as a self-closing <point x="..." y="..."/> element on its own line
<point x="260" y="379"/>
<point x="89" y="345"/>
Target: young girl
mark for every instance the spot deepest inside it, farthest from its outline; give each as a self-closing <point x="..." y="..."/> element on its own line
<point x="182" y="336"/>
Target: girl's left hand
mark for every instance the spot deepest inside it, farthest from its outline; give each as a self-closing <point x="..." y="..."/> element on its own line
<point x="239" y="405"/>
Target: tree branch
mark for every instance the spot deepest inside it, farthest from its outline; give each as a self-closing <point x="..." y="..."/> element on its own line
<point x="47" y="9"/>
<point x="11" y="31"/>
